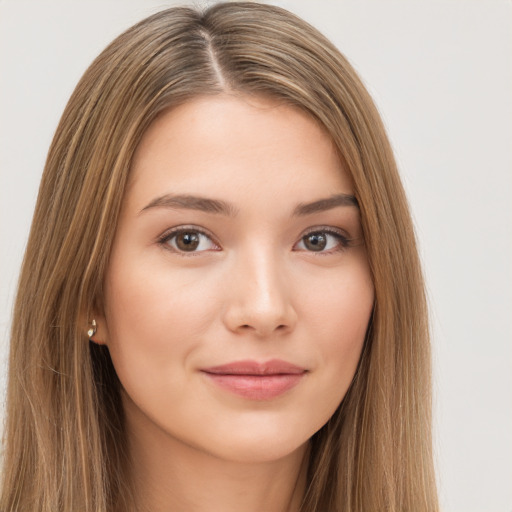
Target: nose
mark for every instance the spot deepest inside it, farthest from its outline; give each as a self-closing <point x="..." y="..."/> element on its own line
<point x="259" y="297"/>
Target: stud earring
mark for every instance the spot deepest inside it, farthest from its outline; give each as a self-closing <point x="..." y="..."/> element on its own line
<point x="92" y="331"/>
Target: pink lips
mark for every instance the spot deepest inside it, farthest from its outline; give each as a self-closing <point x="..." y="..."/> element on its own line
<point x="256" y="381"/>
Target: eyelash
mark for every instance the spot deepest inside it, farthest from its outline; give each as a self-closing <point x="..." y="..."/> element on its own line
<point x="344" y="241"/>
<point x="164" y="239"/>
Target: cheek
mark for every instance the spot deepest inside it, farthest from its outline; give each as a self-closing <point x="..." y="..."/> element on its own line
<point x="155" y="317"/>
<point x="340" y="304"/>
<point x="147" y="297"/>
<point x="339" y="313"/>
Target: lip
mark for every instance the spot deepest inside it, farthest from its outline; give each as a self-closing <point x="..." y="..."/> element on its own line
<point x="254" y="380"/>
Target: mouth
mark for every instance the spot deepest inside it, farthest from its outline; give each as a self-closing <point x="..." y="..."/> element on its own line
<point x="256" y="381"/>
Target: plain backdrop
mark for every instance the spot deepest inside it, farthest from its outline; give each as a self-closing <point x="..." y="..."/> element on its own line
<point x="441" y="74"/>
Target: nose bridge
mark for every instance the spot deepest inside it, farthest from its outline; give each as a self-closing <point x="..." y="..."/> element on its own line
<point x="260" y="298"/>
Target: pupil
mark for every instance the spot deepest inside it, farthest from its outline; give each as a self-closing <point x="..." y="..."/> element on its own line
<point x="316" y="242"/>
<point x="187" y="241"/>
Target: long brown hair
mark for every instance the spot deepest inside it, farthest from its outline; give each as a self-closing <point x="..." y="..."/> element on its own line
<point x="64" y="438"/>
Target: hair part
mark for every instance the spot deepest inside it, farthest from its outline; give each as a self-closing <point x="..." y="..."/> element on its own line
<point x="64" y="441"/>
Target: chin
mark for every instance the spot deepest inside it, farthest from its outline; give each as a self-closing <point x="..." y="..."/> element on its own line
<point x="261" y="451"/>
<point x="262" y="442"/>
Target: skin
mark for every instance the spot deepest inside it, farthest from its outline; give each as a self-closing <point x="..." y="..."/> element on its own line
<point x="255" y="288"/>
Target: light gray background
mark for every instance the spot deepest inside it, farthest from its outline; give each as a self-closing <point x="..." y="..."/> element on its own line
<point x="441" y="74"/>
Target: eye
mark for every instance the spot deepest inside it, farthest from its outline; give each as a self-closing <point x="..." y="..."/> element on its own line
<point x="326" y="241"/>
<point x="188" y="240"/>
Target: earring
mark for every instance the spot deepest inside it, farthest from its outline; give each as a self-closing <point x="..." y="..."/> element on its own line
<point x="92" y="331"/>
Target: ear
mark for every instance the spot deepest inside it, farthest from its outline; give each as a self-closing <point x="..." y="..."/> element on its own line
<point x="97" y="330"/>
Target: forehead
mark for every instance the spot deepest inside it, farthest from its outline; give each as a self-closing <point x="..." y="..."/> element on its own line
<point x="237" y="147"/>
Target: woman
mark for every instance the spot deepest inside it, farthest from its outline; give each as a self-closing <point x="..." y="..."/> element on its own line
<point x="221" y="305"/>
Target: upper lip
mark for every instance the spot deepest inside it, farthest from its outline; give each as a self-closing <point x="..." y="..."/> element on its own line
<point x="272" y="367"/>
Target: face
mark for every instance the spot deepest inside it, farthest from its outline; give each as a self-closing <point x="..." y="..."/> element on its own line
<point x="238" y="291"/>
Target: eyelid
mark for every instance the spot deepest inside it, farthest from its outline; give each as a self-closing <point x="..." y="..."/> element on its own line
<point x="344" y="238"/>
<point x="169" y="233"/>
<point x="326" y="229"/>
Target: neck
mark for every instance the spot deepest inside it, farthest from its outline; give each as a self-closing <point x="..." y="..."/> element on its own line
<point x="169" y="476"/>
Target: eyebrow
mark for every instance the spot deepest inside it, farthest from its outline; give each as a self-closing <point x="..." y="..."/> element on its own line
<point x="328" y="203"/>
<point x="204" y="204"/>
<point x="190" y="202"/>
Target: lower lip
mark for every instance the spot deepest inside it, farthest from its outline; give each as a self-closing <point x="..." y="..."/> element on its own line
<point x="256" y="387"/>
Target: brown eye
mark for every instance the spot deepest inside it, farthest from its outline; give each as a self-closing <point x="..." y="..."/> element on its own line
<point x="326" y="242"/>
<point x="188" y="240"/>
<point x="315" y="241"/>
